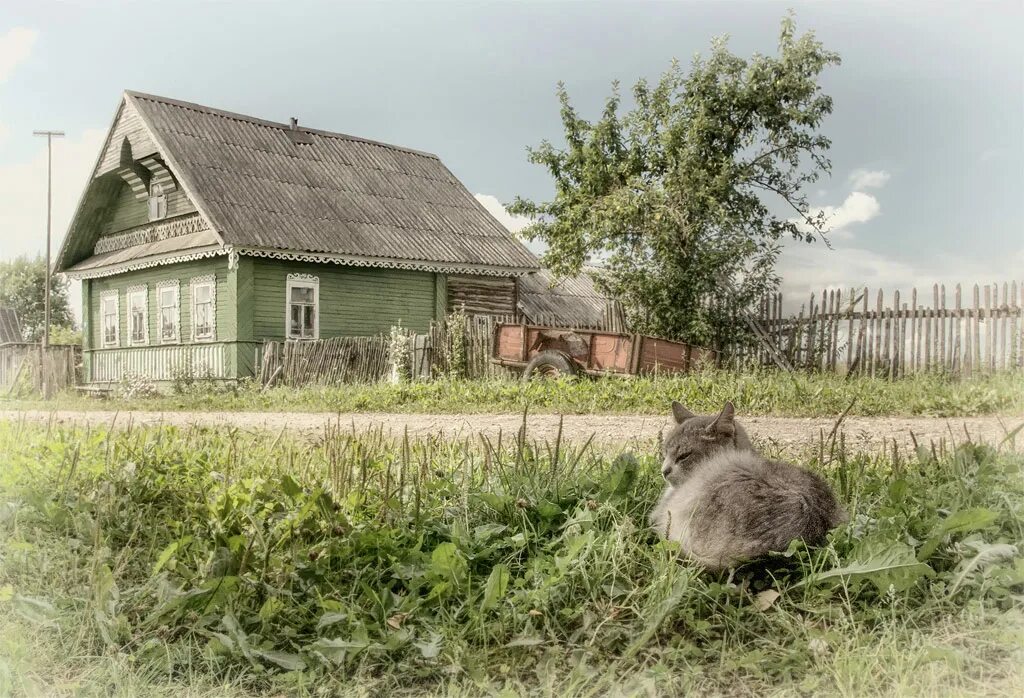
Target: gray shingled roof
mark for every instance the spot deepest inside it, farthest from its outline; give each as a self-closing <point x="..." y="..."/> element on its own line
<point x="570" y="302"/>
<point x="10" y="329"/>
<point x="265" y="185"/>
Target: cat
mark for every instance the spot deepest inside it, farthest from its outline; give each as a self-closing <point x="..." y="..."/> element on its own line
<point x="725" y="503"/>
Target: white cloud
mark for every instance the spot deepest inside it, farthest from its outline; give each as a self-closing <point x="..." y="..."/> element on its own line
<point x="15" y="47"/>
<point x="857" y="208"/>
<point x="23" y="194"/>
<point x="811" y="268"/>
<point x="513" y="223"/>
<point x="868" y="179"/>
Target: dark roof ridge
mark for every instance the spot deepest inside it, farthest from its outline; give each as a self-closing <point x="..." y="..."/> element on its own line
<point x="272" y="124"/>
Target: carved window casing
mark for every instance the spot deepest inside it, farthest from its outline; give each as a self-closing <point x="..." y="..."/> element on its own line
<point x="110" y="319"/>
<point x="168" y="304"/>
<point x="138" y="315"/>
<point x="204" y="308"/>
<point x="302" y="307"/>
<point x="157" y="202"/>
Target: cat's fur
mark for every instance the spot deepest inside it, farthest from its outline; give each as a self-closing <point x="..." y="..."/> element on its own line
<point x="725" y="503"/>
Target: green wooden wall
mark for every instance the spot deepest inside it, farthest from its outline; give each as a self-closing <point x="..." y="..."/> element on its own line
<point x="183" y="272"/>
<point x="128" y="212"/>
<point x="251" y="302"/>
<point x="354" y="301"/>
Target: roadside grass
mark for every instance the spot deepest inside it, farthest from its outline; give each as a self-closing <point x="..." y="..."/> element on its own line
<point x="201" y="562"/>
<point x="755" y="393"/>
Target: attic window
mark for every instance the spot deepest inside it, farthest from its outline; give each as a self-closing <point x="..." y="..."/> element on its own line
<point x="157" y="202"/>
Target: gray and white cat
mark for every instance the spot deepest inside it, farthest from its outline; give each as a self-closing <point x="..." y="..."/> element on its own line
<point x="725" y="503"/>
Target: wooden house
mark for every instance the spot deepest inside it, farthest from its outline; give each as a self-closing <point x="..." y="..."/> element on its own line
<point x="201" y="233"/>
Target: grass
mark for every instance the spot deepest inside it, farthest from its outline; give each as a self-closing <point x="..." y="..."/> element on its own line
<point x="165" y="561"/>
<point x="755" y="393"/>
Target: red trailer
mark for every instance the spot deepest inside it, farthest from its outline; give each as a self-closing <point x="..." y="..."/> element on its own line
<point x="552" y="351"/>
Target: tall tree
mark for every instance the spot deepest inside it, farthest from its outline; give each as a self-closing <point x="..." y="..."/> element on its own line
<point x="696" y="184"/>
<point x="22" y="284"/>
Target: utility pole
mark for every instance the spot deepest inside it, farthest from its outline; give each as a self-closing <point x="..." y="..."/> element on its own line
<point x="49" y="198"/>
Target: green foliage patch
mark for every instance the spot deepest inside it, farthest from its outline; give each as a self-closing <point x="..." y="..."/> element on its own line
<point x="459" y="567"/>
<point x="755" y="393"/>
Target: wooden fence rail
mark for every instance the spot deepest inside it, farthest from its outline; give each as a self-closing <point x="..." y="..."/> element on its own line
<point x="27" y="369"/>
<point x="324" y="362"/>
<point x="863" y="332"/>
<point x="444" y="350"/>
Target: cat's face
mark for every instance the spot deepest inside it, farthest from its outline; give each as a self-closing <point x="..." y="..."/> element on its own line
<point x="695" y="438"/>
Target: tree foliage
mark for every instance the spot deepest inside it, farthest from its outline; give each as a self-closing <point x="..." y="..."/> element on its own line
<point x="697" y="183"/>
<point x="22" y="284"/>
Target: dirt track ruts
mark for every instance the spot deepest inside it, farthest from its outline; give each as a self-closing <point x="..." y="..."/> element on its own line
<point x="608" y="429"/>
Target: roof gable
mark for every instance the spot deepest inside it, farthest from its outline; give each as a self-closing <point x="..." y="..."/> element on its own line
<point x="263" y="187"/>
<point x="129" y="152"/>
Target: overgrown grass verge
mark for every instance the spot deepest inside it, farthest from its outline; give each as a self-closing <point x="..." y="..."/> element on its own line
<point x="755" y="393"/>
<point x="163" y="561"/>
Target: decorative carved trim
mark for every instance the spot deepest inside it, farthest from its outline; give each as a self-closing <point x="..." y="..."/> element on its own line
<point x="132" y="178"/>
<point x="144" y="264"/>
<point x="314" y="257"/>
<point x="151" y="232"/>
<point x="160" y="174"/>
<point x="355" y="261"/>
<point x="309" y="278"/>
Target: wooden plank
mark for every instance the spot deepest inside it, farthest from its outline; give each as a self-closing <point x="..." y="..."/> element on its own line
<point x="1015" y="326"/>
<point x="778" y="320"/>
<point x="989" y="332"/>
<point x="876" y="333"/>
<point x="976" y="330"/>
<point x="994" y="321"/>
<point x="1004" y="326"/>
<point x="941" y="328"/>
<point x="833" y="356"/>
<point x="927" y="313"/>
<point x="850" y="337"/>
<point x="894" y="344"/>
<point x="957" y="331"/>
<point x="811" y="331"/>
<point x="862" y="337"/>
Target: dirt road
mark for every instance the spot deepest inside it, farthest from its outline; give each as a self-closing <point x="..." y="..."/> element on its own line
<point x="607" y="429"/>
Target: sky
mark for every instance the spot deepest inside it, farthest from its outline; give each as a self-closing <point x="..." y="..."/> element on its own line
<point x="927" y="179"/>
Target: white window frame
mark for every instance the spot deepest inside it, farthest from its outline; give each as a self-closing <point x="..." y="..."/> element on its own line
<point x="301" y="281"/>
<point x="175" y="286"/>
<point x="106" y="296"/>
<point x="208" y="281"/>
<point x="157" y="202"/>
<point x="131" y="295"/>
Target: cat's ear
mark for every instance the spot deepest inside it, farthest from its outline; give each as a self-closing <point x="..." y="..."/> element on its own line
<point x="724" y="423"/>
<point x="681" y="413"/>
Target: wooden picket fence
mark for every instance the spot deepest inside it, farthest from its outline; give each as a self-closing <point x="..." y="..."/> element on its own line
<point x="27" y="369"/>
<point x="341" y="360"/>
<point x="845" y="331"/>
<point x="324" y="362"/>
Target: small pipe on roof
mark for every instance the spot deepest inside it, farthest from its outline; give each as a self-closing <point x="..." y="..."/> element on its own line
<point x="294" y="122"/>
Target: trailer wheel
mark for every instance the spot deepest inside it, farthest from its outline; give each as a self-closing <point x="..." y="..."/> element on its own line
<point x="549" y="365"/>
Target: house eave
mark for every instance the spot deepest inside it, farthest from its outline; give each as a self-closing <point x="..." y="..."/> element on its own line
<point x="297" y="256"/>
<point x="386" y="262"/>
